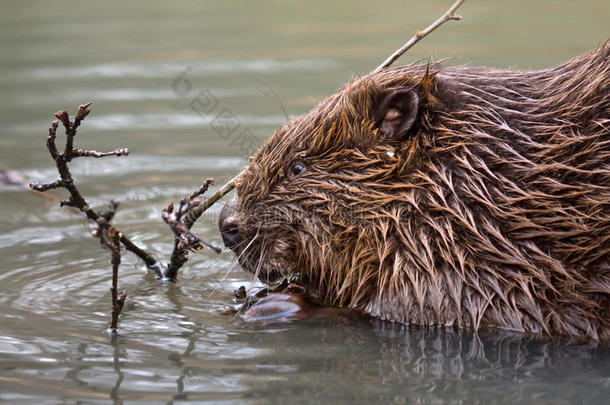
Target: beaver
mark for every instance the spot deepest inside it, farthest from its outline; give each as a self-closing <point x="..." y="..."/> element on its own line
<point x="434" y="195"/>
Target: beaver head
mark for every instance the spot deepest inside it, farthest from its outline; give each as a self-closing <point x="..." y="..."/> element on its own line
<point x="442" y="196"/>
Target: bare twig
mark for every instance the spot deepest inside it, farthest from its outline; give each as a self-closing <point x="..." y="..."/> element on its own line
<point x="181" y="222"/>
<point x="449" y="15"/>
<point x="201" y="190"/>
<point x="185" y="240"/>
<point x="110" y="237"/>
<point x="95" y="154"/>
<point x="194" y="214"/>
<point x="76" y="200"/>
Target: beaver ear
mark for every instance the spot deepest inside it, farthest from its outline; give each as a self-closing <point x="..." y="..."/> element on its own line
<point x="396" y="113"/>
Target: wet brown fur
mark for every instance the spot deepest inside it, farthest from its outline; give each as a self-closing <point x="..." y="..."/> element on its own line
<point x="495" y="211"/>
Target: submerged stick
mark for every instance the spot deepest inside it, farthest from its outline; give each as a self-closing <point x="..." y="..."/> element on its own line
<point x="110" y="237"/>
<point x="449" y="15"/>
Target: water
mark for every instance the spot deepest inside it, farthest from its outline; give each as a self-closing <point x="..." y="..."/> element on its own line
<point x="175" y="345"/>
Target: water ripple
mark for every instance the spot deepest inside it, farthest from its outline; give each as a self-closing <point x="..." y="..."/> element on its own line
<point x="138" y="163"/>
<point x="164" y="70"/>
<point x="121" y="94"/>
<point x="156" y="121"/>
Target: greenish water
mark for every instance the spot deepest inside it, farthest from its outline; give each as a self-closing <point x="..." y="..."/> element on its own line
<point x="151" y="69"/>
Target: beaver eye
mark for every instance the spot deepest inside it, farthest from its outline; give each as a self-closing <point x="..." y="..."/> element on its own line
<point x="295" y="170"/>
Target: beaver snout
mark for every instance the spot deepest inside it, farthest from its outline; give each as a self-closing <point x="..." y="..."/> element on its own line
<point x="229" y="225"/>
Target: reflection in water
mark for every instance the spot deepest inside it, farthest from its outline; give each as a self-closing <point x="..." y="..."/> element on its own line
<point x="114" y="393"/>
<point x="395" y="364"/>
<point x="316" y="362"/>
<point x="175" y="345"/>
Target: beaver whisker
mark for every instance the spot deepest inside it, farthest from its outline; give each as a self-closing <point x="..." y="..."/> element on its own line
<point x="259" y="263"/>
<point x="235" y="262"/>
<point x="249" y="244"/>
<point x="227" y="206"/>
<point x="244" y="242"/>
<point x="274" y="96"/>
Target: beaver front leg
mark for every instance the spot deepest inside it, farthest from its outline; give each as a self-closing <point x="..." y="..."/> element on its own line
<point x="286" y="303"/>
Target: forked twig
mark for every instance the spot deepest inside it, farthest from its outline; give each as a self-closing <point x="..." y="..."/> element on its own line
<point x="200" y="208"/>
<point x="108" y="234"/>
<point x="180" y="225"/>
<point x="449" y="15"/>
<point x="183" y="237"/>
<point x="65" y="180"/>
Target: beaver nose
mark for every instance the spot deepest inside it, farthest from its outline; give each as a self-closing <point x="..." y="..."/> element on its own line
<point x="229" y="224"/>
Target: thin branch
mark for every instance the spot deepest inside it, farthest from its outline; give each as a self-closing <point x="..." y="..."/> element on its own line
<point x="71" y="127"/>
<point x="76" y="200"/>
<point x="190" y="210"/>
<point x="449" y="15"/>
<point x="194" y="214"/>
<point x="185" y="240"/>
<point x="110" y="237"/>
<point x="95" y="154"/>
<point x="201" y="190"/>
<point x="47" y="186"/>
